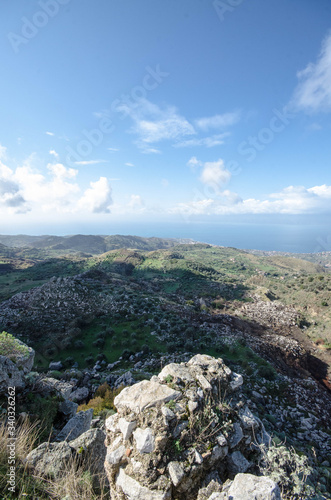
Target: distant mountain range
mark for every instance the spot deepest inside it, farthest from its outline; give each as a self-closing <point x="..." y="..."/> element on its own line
<point x="90" y="244"/>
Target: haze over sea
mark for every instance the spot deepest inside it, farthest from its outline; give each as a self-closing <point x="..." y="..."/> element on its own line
<point x="294" y="238"/>
<point x="277" y="237"/>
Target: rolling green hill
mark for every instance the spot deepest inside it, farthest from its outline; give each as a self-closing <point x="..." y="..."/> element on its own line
<point x="211" y="279"/>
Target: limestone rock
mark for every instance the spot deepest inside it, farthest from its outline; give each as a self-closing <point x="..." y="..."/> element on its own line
<point x="176" y="473"/>
<point x="157" y="450"/>
<point x="126" y="427"/>
<point x="50" y="458"/>
<point x="205" y="385"/>
<point x="13" y="368"/>
<point x="248" y="420"/>
<point x="68" y="408"/>
<point x="218" y="453"/>
<point x="192" y="406"/>
<point x="178" y="372"/>
<point x="238" y="462"/>
<point x="167" y="413"/>
<point x="249" y="487"/>
<point x="236" y="436"/>
<point x="76" y="426"/>
<point x="10" y="375"/>
<point x="116" y="456"/>
<point x="145" y="440"/>
<point x="91" y="447"/>
<point x="237" y="381"/>
<point x="125" y="380"/>
<point x="79" y="394"/>
<point x="48" y="385"/>
<point x="144" y="394"/>
<point x="134" y="491"/>
<point x="111" y="423"/>
<point x="210" y="492"/>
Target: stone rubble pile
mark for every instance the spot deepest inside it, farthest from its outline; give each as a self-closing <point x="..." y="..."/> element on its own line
<point x="271" y="313"/>
<point x="170" y="432"/>
<point x="53" y="305"/>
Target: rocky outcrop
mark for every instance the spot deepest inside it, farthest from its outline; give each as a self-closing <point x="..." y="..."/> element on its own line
<point x="76" y="426"/>
<point x="90" y="446"/>
<point x="51" y="307"/>
<point x="50" y="458"/>
<point x="53" y="459"/>
<point x="79" y="394"/>
<point x="14" y="367"/>
<point x="49" y="385"/>
<point x="170" y="432"/>
<point x="10" y="375"/>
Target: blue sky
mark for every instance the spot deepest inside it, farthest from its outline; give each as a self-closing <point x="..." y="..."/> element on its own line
<point x="183" y="111"/>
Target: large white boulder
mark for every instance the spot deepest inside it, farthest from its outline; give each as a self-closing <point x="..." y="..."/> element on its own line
<point x="249" y="487"/>
<point x="145" y="394"/>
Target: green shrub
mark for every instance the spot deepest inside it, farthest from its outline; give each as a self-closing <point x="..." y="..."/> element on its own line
<point x="188" y="346"/>
<point x="68" y="362"/>
<point x="100" y="342"/>
<point x="103" y="400"/>
<point x="10" y="346"/>
<point x="89" y="360"/>
<point x="79" y="344"/>
<point x="267" y="372"/>
<point x="289" y="470"/>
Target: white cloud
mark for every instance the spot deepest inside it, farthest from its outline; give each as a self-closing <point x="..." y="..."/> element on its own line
<point x="291" y="200"/>
<point x="90" y="162"/>
<point x="218" y="121"/>
<point x="135" y="206"/>
<point x="194" y="163"/>
<point x="53" y="153"/>
<point x="313" y="93"/>
<point x="11" y="199"/>
<point x="47" y="195"/>
<point x="323" y="191"/>
<point x="113" y="149"/>
<point x="208" y="142"/>
<point x="128" y="164"/>
<point x="60" y="171"/>
<point x="136" y="202"/>
<point x="97" y="198"/>
<point x="215" y="173"/>
<point x="148" y="150"/>
<point x="25" y="189"/>
<point x="169" y="126"/>
<point x="50" y="133"/>
<point x="154" y="124"/>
